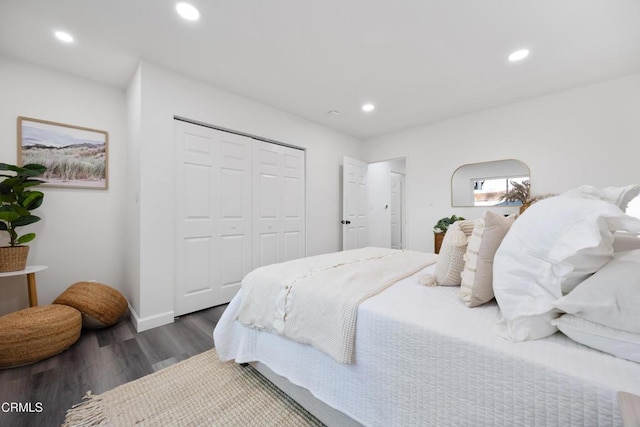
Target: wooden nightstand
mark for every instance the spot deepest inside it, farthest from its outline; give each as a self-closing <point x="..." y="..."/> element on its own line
<point x="437" y="242"/>
<point x="629" y="409"/>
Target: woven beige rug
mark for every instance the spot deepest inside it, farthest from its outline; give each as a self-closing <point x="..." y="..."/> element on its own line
<point x="200" y="391"/>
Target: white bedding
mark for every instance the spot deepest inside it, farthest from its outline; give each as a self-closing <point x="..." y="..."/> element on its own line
<point x="315" y="300"/>
<point x="423" y="358"/>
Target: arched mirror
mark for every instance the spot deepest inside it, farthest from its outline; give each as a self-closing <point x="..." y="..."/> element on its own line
<point x="484" y="184"/>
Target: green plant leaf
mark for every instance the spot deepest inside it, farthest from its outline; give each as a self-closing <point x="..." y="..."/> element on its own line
<point x="7" y="213"/>
<point x="7" y="167"/>
<point x="25" y="238"/>
<point x="25" y="220"/>
<point x="32" y="182"/>
<point x="33" y="169"/>
<point x="33" y="199"/>
<point x="20" y="210"/>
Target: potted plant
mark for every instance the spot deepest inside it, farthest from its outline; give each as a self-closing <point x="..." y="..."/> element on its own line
<point x="520" y="192"/>
<point x="443" y="223"/>
<point x="440" y="229"/>
<point x="17" y="200"/>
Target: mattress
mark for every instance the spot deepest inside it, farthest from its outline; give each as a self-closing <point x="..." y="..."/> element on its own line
<point x="423" y="358"/>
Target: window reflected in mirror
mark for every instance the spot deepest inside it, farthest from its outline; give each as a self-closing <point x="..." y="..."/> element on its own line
<point x="485" y="183"/>
<point x="491" y="191"/>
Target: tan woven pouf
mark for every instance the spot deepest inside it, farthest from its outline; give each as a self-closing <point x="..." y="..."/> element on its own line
<point x="35" y="333"/>
<point x="100" y="305"/>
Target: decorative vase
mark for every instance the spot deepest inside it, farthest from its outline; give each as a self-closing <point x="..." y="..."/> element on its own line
<point x="13" y="258"/>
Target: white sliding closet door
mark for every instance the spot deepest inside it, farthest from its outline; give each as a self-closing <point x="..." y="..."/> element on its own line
<point x="278" y="204"/>
<point x="239" y="204"/>
<point x="213" y="216"/>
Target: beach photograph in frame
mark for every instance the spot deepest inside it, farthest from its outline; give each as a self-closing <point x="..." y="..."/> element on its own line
<point x="74" y="156"/>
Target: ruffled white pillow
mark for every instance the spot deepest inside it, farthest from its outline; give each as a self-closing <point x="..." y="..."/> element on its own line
<point x="619" y="196"/>
<point x="555" y="245"/>
<point x="610" y="297"/>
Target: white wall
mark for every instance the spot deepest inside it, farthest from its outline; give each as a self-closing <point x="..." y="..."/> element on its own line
<point x="80" y="236"/>
<point x="132" y="223"/>
<point x="164" y="94"/>
<point x="588" y="135"/>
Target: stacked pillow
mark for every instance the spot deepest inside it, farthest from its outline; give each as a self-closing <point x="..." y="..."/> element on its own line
<point x="477" y="276"/>
<point x="556" y="244"/>
<point x="619" y="196"/>
<point x="451" y="257"/>
<point x="603" y="312"/>
<point x="466" y="257"/>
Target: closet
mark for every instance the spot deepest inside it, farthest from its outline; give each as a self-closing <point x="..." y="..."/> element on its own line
<point x="239" y="204"/>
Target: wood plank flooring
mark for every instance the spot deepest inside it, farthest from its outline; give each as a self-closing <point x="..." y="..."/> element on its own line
<point x="101" y="360"/>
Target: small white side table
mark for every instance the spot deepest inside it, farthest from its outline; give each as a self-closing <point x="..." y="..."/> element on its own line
<point x="30" y="272"/>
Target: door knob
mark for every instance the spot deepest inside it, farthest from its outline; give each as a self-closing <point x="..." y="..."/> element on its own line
<point x="347" y="222"/>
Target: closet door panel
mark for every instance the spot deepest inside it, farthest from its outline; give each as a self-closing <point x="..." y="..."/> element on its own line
<point x="235" y="211"/>
<point x="197" y="204"/>
<point x="293" y="204"/>
<point x="267" y="246"/>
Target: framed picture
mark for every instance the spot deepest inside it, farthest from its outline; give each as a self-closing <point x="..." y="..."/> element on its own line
<point x="75" y="156"/>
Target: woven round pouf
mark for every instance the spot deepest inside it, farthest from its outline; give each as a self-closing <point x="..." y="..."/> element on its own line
<point x="100" y="305"/>
<point x="35" y="333"/>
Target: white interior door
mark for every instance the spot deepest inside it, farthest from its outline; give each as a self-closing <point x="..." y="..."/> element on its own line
<point x="354" y="204"/>
<point x="279" y="204"/>
<point x="213" y="208"/>
<point x="293" y="204"/>
<point x="396" y="210"/>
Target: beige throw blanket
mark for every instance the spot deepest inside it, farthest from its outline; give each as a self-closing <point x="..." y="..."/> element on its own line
<point x="315" y="300"/>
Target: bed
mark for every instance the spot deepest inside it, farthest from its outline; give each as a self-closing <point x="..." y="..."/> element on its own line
<point x="424" y="358"/>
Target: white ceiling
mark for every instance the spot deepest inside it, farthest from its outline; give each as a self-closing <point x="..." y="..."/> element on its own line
<point x="419" y="61"/>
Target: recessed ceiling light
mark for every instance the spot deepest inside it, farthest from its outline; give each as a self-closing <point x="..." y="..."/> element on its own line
<point x="368" y="107"/>
<point x="187" y="11"/>
<point x="63" y="36"/>
<point x="519" y="55"/>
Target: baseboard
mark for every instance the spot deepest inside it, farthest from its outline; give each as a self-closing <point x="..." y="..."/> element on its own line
<point x="150" y="322"/>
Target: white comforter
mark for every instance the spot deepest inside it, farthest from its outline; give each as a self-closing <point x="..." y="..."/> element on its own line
<point x="423" y="358"/>
<point x="315" y="300"/>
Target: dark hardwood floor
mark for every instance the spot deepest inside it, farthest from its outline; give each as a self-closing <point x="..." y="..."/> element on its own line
<point x="101" y="360"/>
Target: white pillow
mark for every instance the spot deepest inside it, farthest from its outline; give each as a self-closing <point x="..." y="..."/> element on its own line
<point x="450" y="259"/>
<point x="625" y="345"/>
<point x="625" y="242"/>
<point x="610" y="297"/>
<point x="555" y="245"/>
<point x="619" y="196"/>
<point x="477" y="277"/>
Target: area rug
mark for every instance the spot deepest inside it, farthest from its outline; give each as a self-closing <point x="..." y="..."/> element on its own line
<point x="200" y="391"/>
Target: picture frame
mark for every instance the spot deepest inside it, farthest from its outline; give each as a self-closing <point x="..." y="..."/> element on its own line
<point x="75" y="156"/>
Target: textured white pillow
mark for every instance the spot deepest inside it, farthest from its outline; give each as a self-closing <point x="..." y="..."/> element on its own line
<point x="477" y="277"/>
<point x="610" y="297"/>
<point x="619" y="196"/>
<point x="555" y="245"/>
<point x="450" y="260"/>
<point x="625" y="345"/>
